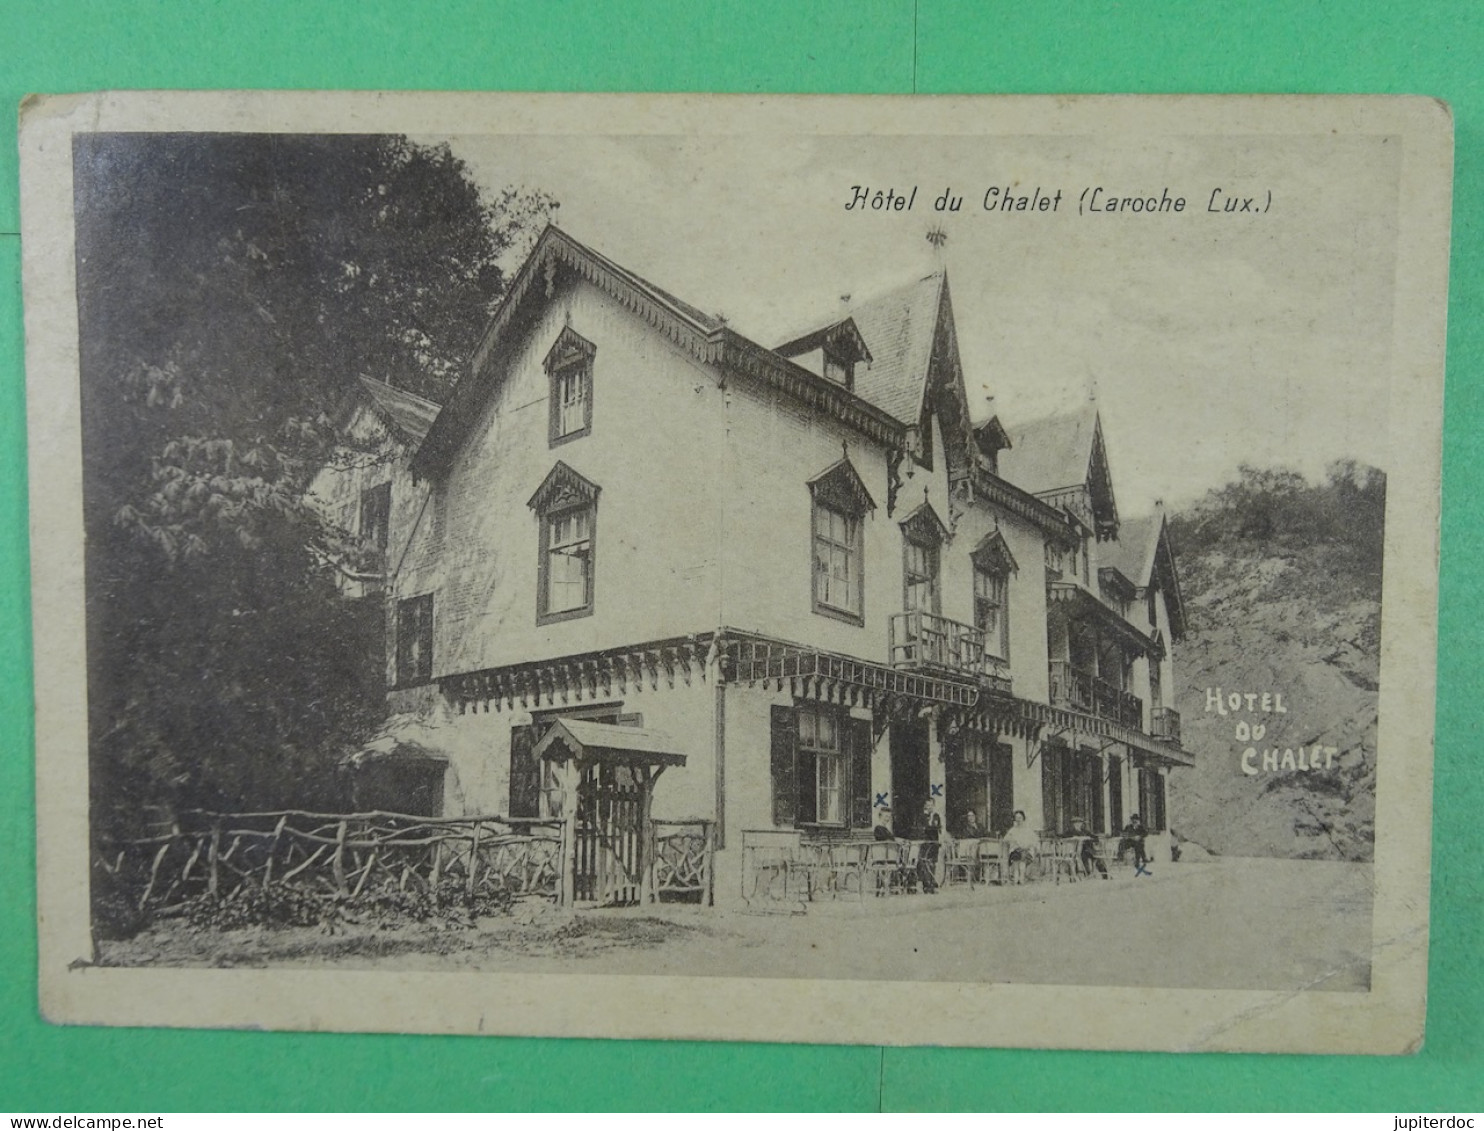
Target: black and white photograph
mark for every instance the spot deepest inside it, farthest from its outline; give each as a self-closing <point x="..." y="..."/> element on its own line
<point x="841" y="569"/>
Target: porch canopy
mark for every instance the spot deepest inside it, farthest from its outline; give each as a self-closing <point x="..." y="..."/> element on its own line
<point x="585" y="742"/>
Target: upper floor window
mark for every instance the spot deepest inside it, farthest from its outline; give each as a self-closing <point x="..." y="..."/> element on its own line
<point x="923" y="535"/>
<point x="837" y="561"/>
<point x="415" y="640"/>
<point x="569" y="367"/>
<point x="921" y="578"/>
<point x="567" y="506"/>
<point x="991" y="609"/>
<point x="993" y="565"/>
<point x="376" y="515"/>
<point x="840" y="504"/>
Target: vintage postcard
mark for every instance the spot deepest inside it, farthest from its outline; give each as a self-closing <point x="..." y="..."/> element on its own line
<point x="874" y="570"/>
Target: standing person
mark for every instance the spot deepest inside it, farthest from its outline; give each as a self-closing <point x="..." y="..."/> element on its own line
<point x="1024" y="844"/>
<point x="971" y="826"/>
<point x="927" y="854"/>
<point x="1133" y="838"/>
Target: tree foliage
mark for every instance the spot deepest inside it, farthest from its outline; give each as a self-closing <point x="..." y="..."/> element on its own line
<point x="231" y="290"/>
<point x="1280" y="512"/>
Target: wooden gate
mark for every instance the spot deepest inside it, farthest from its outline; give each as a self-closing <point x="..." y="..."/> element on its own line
<point x="608" y="843"/>
<point x="607" y="774"/>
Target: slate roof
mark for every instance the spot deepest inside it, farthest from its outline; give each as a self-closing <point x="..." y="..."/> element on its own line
<point x="1052" y="452"/>
<point x="897" y="328"/>
<point x="1132" y="553"/>
<point x="408" y="413"/>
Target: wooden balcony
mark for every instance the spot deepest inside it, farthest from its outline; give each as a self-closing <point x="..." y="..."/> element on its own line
<point x="925" y="642"/>
<point x="1082" y="691"/>
<point x="1164" y="723"/>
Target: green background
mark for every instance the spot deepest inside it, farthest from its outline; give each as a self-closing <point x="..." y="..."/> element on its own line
<point x="775" y="46"/>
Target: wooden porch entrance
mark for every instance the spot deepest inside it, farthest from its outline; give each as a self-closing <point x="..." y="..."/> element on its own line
<point x="607" y="775"/>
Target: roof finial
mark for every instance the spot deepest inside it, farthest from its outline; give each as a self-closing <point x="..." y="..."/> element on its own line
<point x="939" y="239"/>
<point x="845" y="449"/>
<point x="1092" y="386"/>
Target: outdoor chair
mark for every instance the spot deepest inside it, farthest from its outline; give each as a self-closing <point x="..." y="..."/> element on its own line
<point x="1105" y="850"/>
<point x="767" y="858"/>
<point x="961" y="862"/>
<point x="992" y="852"/>
<point x="1064" y="856"/>
<point x="882" y="867"/>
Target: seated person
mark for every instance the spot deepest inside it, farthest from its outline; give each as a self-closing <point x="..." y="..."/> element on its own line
<point x="972" y="828"/>
<point x="1133" y="838"/>
<point x="1087" y="852"/>
<point x="882" y="829"/>
<point x="1024" y="844"/>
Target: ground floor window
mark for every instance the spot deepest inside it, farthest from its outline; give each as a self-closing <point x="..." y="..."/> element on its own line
<point x="536" y="790"/>
<point x="821" y="764"/>
<point x="1071" y="786"/>
<point x="1152" y="799"/>
<point x="981" y="783"/>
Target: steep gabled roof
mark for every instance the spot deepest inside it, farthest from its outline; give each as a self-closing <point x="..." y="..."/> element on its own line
<point x="407" y="413"/>
<point x="1142" y="553"/>
<point x="1052" y="452"/>
<point x="1064" y="451"/>
<point x="898" y="329"/>
<point x="705" y="336"/>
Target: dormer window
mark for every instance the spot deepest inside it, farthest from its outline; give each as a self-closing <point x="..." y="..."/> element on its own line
<point x="839" y="368"/>
<point x="831" y="351"/>
<point x="569" y="367"/>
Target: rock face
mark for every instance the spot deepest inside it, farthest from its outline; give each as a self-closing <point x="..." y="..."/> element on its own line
<point x="1274" y="615"/>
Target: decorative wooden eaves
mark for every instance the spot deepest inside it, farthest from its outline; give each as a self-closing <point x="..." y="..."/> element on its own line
<point x="1100" y="485"/>
<point x="843" y="339"/>
<point x="993" y="555"/>
<point x="569" y="348"/>
<point x="1116" y="585"/>
<point x="561" y="489"/>
<point x="924" y="527"/>
<point x="1157" y="647"/>
<point x="706" y="339"/>
<point x="841" y="488"/>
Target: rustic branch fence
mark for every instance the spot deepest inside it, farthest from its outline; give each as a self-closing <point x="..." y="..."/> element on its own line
<point x="357" y="857"/>
<point x="349" y="856"/>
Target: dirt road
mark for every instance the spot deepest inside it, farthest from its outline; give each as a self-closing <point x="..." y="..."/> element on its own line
<point x="1229" y="923"/>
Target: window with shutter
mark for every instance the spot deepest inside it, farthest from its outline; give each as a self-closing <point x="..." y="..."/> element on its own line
<point x="859" y="731"/>
<point x="784" y="755"/>
<point x="415" y="640"/>
<point x="525" y="774"/>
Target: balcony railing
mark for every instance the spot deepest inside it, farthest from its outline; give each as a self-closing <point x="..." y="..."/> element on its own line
<point x="1164" y="723"/>
<point x="1082" y="691"/>
<point x="925" y="642"/>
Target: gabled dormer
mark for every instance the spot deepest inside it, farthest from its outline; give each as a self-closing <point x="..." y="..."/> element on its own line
<point x="834" y="352"/>
<point x="909" y="345"/>
<point x="990" y="439"/>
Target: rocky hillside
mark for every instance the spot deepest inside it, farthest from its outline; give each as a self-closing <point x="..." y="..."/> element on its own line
<point x="1282" y="584"/>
